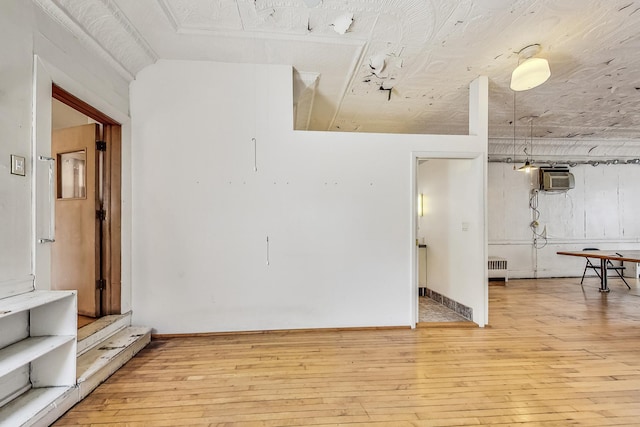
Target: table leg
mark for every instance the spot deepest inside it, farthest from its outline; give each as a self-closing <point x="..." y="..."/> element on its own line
<point x="603" y="276"/>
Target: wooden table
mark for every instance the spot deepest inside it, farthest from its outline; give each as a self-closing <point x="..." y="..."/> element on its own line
<point x="604" y="256"/>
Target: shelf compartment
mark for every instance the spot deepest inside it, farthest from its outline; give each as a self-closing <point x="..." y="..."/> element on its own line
<point x="29" y="300"/>
<point x="37" y="357"/>
<point x="30" y="349"/>
<point x="37" y="404"/>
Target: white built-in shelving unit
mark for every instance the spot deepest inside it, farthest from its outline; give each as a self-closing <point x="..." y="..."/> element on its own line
<point x="38" y="331"/>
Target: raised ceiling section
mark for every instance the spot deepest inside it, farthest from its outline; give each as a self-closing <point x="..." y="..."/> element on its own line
<point x="397" y="66"/>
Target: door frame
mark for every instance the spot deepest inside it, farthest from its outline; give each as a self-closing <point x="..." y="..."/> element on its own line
<point x="111" y="239"/>
<point x="415" y="156"/>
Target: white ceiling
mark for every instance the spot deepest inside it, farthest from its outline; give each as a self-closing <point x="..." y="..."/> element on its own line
<point x="431" y="50"/>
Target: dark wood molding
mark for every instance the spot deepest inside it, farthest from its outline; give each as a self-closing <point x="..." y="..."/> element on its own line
<point x="79" y="105"/>
<point x="112" y="260"/>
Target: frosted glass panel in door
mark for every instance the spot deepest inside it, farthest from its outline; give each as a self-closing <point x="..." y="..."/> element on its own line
<point x="72" y="175"/>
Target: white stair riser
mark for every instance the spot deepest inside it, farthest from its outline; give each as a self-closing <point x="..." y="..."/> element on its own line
<point x="87" y="382"/>
<point x="103" y="334"/>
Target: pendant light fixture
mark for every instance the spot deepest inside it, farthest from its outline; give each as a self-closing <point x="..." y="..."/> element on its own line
<point x="528" y="165"/>
<point x="531" y="71"/>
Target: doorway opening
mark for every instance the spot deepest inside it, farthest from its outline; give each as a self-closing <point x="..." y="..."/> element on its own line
<point x="86" y="255"/>
<point x="446" y="217"/>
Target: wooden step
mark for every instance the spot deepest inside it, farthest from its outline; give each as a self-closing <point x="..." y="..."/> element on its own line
<point x="94" y="333"/>
<point x="97" y="364"/>
<point x="38" y="407"/>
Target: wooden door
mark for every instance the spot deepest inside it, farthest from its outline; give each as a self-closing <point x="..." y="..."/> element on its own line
<point x="75" y="254"/>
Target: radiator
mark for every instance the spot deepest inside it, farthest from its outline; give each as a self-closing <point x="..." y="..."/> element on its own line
<point x="498" y="268"/>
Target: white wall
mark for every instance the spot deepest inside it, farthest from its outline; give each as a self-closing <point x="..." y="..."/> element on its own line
<point x="25" y="87"/>
<point x="337" y="207"/>
<point x="601" y="211"/>
<point x="452" y="226"/>
<point x="15" y="133"/>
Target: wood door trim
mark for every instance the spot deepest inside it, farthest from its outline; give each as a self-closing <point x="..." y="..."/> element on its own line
<point x="112" y="226"/>
<point x="79" y="105"/>
<point x="112" y="262"/>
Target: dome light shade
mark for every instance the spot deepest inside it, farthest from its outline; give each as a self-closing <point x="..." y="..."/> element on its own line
<point x="529" y="74"/>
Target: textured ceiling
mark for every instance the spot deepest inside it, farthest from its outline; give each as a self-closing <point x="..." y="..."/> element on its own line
<point x="398" y="66"/>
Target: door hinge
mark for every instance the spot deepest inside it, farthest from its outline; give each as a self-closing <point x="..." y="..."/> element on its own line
<point x="101" y="145"/>
<point x="101" y="284"/>
<point x="101" y="214"/>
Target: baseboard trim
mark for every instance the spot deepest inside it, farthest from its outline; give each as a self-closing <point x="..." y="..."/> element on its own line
<point x="438" y="325"/>
<point x="461" y="309"/>
<point x="276" y="331"/>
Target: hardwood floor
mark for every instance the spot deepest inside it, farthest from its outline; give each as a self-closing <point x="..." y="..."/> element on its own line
<point x="555" y="354"/>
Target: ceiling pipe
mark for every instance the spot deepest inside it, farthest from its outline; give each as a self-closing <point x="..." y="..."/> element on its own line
<point x="562" y="162"/>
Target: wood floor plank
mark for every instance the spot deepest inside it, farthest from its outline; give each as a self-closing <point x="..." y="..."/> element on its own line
<point x="554" y="354"/>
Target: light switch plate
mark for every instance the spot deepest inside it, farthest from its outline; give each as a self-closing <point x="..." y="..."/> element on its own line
<point x="17" y="165"/>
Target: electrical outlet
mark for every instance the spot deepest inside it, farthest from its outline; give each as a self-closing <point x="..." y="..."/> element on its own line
<point x="17" y="165"/>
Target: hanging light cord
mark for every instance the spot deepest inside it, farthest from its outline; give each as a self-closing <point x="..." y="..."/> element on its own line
<point x="514" y="130"/>
<point x="531" y="137"/>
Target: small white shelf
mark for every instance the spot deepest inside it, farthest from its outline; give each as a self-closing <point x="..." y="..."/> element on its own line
<point x="24" y="302"/>
<point x="28" y="350"/>
<point x="32" y="405"/>
<point x="37" y="356"/>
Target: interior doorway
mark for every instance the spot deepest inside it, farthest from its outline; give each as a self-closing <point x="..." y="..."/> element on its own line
<point x="86" y="148"/>
<point x="442" y="223"/>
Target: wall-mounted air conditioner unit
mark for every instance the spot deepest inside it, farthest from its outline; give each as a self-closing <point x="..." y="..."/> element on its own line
<point x="556" y="179"/>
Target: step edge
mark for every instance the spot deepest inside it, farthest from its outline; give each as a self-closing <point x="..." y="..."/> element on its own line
<point x="103" y="334"/>
<point x="97" y="361"/>
<point x="88" y="384"/>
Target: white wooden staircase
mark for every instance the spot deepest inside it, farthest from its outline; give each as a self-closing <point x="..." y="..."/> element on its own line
<point x="45" y="368"/>
<point x="104" y="346"/>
